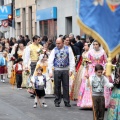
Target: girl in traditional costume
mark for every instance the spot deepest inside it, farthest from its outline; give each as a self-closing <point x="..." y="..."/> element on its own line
<point x="96" y="55"/>
<point x="26" y="72"/>
<point x="79" y="75"/>
<point x="114" y="106"/>
<point x="17" y="52"/>
<point x="3" y="66"/>
<point x="12" y="80"/>
<point x="43" y="62"/>
<point x="39" y="83"/>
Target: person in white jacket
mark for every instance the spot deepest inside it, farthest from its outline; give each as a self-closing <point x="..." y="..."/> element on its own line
<point x="63" y="62"/>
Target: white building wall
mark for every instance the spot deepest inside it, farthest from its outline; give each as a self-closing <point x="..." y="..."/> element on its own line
<point x="65" y="8"/>
<point x="6" y="2"/>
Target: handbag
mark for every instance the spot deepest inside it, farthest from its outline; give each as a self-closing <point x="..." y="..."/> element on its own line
<point x="30" y="90"/>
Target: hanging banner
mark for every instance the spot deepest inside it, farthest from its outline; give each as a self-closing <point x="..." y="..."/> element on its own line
<point x="101" y="20"/>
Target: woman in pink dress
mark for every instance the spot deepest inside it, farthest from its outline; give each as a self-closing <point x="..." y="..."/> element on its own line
<point x="83" y="89"/>
<point x="96" y="55"/>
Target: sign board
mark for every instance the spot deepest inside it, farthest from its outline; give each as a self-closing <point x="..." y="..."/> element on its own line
<point x="4" y="12"/>
<point x="5" y="23"/>
<point x="46" y="14"/>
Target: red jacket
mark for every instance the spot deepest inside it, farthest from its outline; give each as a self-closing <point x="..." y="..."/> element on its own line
<point x="18" y="68"/>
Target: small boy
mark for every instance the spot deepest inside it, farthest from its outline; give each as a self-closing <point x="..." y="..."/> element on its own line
<point x="18" y="70"/>
<point x="98" y="81"/>
<point x="3" y="66"/>
<point x="39" y="82"/>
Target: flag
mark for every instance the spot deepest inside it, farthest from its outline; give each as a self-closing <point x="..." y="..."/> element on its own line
<point x="101" y="20"/>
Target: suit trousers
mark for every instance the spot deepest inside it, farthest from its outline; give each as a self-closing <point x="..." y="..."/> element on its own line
<point x="33" y="66"/>
<point x="98" y="107"/>
<point x="61" y="76"/>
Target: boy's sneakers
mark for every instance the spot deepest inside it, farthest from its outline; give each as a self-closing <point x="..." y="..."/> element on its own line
<point x="44" y="104"/>
<point x="35" y="105"/>
<point x="3" y="81"/>
<point x="19" y="88"/>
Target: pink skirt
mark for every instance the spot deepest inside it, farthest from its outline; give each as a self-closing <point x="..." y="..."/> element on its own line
<point x="85" y="96"/>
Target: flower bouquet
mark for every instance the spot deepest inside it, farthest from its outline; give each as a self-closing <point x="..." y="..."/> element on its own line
<point x="20" y="55"/>
<point x="31" y="90"/>
<point x="27" y="72"/>
<point x="40" y="51"/>
<point x="113" y="67"/>
<point x="85" y="61"/>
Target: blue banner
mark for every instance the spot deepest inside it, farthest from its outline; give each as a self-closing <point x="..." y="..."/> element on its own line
<point x="4" y="12"/>
<point x="101" y="19"/>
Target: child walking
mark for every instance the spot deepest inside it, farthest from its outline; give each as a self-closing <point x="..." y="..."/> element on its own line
<point x="3" y="66"/>
<point x="18" y="70"/>
<point x="39" y="82"/>
<point x="98" y="81"/>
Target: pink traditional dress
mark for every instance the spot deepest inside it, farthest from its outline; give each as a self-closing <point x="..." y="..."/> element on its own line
<point x="84" y="96"/>
<point x="96" y="57"/>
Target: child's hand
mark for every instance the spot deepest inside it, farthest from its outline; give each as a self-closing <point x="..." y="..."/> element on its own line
<point x="70" y="74"/>
<point x="87" y="76"/>
<point x="31" y="82"/>
<point x="51" y="75"/>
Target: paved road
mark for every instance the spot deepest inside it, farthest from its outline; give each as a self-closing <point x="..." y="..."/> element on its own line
<point x="17" y="105"/>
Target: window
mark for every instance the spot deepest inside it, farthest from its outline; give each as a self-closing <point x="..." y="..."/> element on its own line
<point x="17" y="12"/>
<point x="48" y="28"/>
<point x="68" y="25"/>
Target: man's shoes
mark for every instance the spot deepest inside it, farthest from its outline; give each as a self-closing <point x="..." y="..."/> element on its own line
<point x="67" y="105"/>
<point x="57" y="105"/>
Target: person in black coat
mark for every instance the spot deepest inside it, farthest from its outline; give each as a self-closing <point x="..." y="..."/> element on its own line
<point x="75" y="48"/>
<point x="26" y="39"/>
<point x="79" y="44"/>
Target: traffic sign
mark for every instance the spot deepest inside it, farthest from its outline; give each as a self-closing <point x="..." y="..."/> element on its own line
<point x="5" y="23"/>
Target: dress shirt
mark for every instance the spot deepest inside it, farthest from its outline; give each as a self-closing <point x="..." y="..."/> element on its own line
<point x="71" y="60"/>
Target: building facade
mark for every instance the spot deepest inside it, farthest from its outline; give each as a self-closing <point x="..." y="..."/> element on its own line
<point x="42" y="17"/>
<point x="25" y="17"/>
<point x="65" y="21"/>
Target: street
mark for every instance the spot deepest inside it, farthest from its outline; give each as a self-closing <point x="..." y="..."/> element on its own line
<point x="17" y="105"/>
